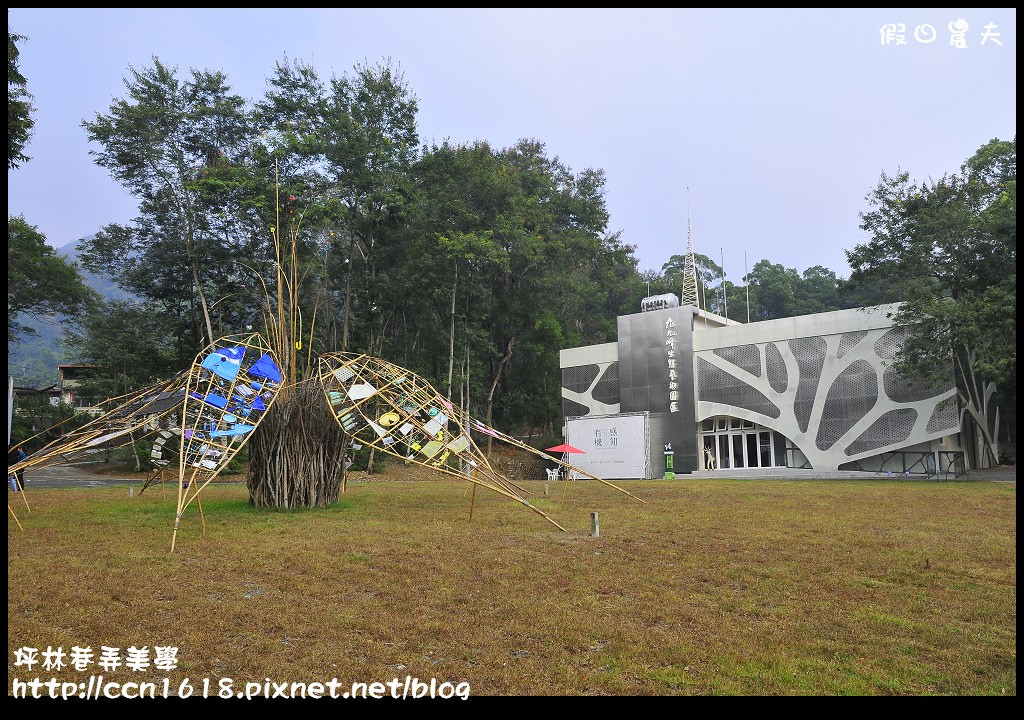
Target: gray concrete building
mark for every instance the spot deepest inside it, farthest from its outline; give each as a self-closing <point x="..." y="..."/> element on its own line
<point x="686" y="391"/>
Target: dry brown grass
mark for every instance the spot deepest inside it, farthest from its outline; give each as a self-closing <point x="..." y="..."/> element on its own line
<point x="713" y="587"/>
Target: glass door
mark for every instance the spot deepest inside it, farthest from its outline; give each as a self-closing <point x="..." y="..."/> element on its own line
<point x="734" y="443"/>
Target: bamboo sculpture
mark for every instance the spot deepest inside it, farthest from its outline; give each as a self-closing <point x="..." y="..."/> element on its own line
<point x="397" y="412"/>
<point x="229" y="389"/>
<point x="221" y="400"/>
<point x="215" y="406"/>
<point x="125" y="420"/>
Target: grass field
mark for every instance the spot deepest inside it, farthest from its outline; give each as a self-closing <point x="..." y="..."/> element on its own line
<point x="711" y="588"/>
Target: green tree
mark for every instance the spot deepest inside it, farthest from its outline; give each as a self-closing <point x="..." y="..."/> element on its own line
<point x="39" y="282"/>
<point x="773" y="290"/>
<point x="819" y="291"/>
<point x="709" y="280"/>
<point x="19" y="106"/>
<point x="511" y="262"/>
<point x="345" y="148"/>
<point x="129" y="342"/>
<point x="450" y="246"/>
<point x="171" y="143"/>
<point x="348" y="144"/>
<point x="946" y="250"/>
<point x="562" y="268"/>
<point x="473" y="266"/>
<point x="38" y="421"/>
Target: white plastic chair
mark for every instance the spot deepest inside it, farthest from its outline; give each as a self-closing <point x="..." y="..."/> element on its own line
<point x="552" y="473"/>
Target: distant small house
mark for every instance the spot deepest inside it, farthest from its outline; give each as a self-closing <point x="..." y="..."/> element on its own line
<point x="71" y="379"/>
<point x="51" y="393"/>
<point x="24" y="401"/>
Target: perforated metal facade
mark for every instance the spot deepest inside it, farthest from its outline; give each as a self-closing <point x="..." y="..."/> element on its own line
<point x="889" y="345"/>
<point x="720" y="387"/>
<point x="745" y="357"/>
<point x="606" y="389"/>
<point x="832" y="377"/>
<point x="591" y="388"/>
<point x="775" y="367"/>
<point x="852" y="395"/>
<point x="579" y="379"/>
<point x="810" y="359"/>
<point x="944" y="417"/>
<point x="891" y="429"/>
<point x="571" y="408"/>
<point x="905" y="390"/>
<point x="824" y="385"/>
<point x="848" y="341"/>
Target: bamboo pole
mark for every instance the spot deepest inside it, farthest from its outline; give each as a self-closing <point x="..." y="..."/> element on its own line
<point x="202" y="518"/>
<point x="21" y="487"/>
<point x="157" y="473"/>
<point x="14" y="515"/>
<point x="117" y="423"/>
<point x="535" y="451"/>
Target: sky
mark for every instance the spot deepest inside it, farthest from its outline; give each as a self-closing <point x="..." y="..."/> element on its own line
<point x="760" y="130"/>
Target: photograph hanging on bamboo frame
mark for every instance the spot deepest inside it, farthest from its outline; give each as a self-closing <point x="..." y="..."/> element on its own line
<point x="229" y="389"/>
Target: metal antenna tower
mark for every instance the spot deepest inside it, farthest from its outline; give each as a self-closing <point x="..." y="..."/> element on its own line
<point x="689" y="294"/>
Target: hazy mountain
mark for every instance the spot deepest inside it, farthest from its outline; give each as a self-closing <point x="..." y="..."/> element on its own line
<point x="102" y="284"/>
<point x="33" y="362"/>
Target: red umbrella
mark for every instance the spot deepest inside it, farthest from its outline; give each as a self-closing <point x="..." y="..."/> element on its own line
<point x="565" y="448"/>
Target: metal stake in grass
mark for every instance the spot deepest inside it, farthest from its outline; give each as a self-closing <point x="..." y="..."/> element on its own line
<point x="595" y="530"/>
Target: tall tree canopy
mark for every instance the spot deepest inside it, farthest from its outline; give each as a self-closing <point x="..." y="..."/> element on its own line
<point x="173" y="144"/>
<point x="129" y="342"/>
<point x="489" y="261"/>
<point x="947" y="250"/>
<point x="468" y="264"/>
<point x="39" y="282"/>
<point x="347" y="146"/>
<point x="770" y="291"/>
<point x="471" y="265"/>
<point x="19" y="106"/>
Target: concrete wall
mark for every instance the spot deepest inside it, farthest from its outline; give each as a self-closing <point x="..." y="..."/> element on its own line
<point x="824" y="381"/>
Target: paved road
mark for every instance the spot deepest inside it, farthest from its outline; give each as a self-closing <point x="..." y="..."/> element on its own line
<point x="1002" y="473"/>
<point x="80" y="475"/>
<point x="73" y="475"/>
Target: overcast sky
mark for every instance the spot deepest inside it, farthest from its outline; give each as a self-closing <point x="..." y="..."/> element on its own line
<point x="778" y="121"/>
